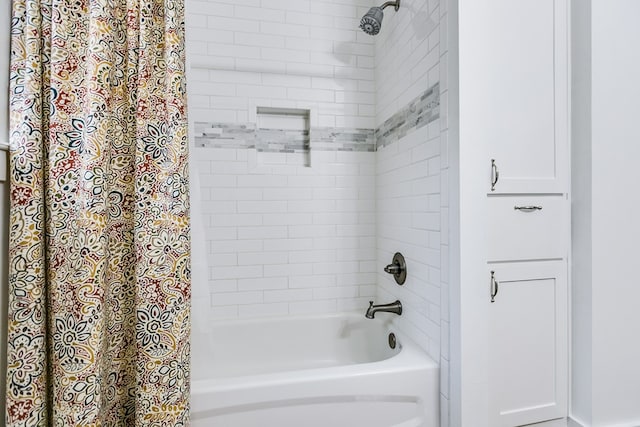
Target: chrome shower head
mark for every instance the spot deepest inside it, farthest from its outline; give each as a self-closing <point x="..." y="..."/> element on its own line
<point x="371" y="22"/>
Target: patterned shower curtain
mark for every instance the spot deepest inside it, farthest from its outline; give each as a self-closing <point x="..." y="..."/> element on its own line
<point x="99" y="231"/>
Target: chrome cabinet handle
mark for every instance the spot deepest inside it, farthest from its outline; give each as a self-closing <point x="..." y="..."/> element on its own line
<point x="495" y="174"/>
<point x="494" y="286"/>
<point x="528" y="208"/>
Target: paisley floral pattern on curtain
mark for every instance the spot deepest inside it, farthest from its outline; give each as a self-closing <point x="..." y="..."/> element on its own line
<point x="99" y="245"/>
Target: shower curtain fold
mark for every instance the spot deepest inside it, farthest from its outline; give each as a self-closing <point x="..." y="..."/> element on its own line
<point x="99" y="287"/>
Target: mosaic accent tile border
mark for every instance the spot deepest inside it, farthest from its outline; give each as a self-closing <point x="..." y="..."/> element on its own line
<point x="327" y="139"/>
<point x="225" y="135"/>
<point x="282" y="141"/>
<point x="418" y="113"/>
<point x="423" y="110"/>
<point x="228" y="135"/>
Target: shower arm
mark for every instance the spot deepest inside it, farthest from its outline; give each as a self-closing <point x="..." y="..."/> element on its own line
<point x="395" y="4"/>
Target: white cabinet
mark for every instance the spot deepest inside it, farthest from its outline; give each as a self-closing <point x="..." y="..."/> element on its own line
<point x="513" y="118"/>
<point x="528" y="343"/>
<point x="527" y="158"/>
<point x="525" y="87"/>
<point x="526" y="72"/>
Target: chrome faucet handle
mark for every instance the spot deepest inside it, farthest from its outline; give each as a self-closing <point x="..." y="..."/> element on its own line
<point x="393" y="268"/>
<point x="397" y="268"/>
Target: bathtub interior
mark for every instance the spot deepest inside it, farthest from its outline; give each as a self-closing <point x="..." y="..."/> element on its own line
<point x="252" y="347"/>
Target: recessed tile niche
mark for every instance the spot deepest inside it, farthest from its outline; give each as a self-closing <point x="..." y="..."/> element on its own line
<point x="283" y="136"/>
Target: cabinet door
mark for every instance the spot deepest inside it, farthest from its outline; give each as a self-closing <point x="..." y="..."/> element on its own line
<point x="528" y="343"/>
<point x="525" y="92"/>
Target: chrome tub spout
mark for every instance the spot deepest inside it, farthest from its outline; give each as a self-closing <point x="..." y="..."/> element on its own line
<point x="394" y="307"/>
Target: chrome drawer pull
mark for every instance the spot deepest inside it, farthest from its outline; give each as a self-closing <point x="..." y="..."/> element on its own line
<point x="495" y="174"/>
<point x="528" y="208"/>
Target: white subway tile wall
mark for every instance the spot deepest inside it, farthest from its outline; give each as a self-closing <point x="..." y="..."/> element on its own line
<point x="408" y="221"/>
<point x="285" y="239"/>
<point x="444" y="219"/>
<point x="407" y="55"/>
<point x="412" y="177"/>
<point x="287" y="54"/>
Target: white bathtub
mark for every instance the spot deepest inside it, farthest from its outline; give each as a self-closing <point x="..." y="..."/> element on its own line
<point x="322" y="371"/>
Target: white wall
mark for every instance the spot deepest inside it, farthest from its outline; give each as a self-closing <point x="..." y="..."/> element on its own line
<point x="606" y="374"/>
<point x="469" y="331"/>
<point x="615" y="205"/>
<point x="581" y="188"/>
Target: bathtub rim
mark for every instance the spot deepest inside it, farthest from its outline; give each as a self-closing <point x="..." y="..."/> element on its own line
<point x="293" y="317"/>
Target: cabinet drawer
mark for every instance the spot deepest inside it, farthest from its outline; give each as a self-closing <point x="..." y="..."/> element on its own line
<point x="525" y="234"/>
